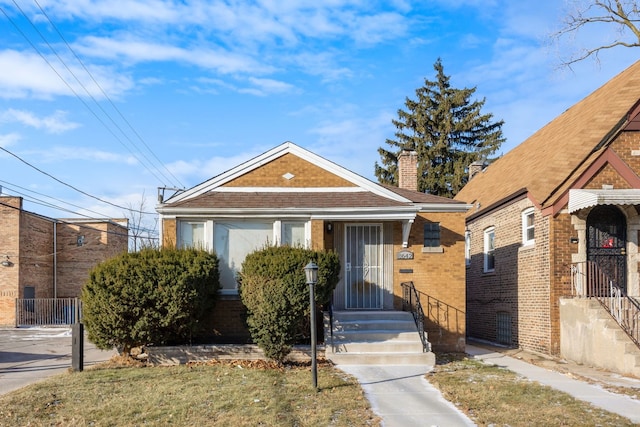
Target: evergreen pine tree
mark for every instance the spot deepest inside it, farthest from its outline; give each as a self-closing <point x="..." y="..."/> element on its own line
<point x="447" y="131"/>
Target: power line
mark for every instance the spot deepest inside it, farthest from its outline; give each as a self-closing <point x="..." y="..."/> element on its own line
<point x="105" y="94"/>
<point x="80" y="84"/>
<point x="72" y="187"/>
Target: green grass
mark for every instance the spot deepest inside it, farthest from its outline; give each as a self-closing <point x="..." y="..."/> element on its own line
<point x="220" y="394"/>
<point x="264" y="394"/>
<point x="493" y="396"/>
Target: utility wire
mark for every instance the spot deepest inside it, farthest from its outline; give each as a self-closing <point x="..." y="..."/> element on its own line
<point x="41" y="202"/>
<point x="79" y="83"/>
<point x="72" y="187"/>
<point x="105" y="94"/>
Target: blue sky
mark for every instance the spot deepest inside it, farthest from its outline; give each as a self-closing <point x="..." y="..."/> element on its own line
<point x="117" y="97"/>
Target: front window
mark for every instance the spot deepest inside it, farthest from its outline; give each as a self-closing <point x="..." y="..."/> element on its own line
<point x="293" y="234"/>
<point x="528" y="226"/>
<point x="192" y="234"/>
<point x="232" y="242"/>
<point x="489" y="249"/>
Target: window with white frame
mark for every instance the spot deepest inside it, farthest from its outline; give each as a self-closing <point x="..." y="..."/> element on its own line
<point x="192" y="234"/>
<point x="528" y="226"/>
<point x="233" y="240"/>
<point x="489" y="249"/>
<point x="467" y="247"/>
<point x="293" y="234"/>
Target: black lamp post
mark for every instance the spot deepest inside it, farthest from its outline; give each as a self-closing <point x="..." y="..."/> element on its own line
<point x="311" y="271"/>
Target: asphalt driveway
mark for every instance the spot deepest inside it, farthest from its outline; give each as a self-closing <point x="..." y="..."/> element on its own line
<point x="28" y="355"/>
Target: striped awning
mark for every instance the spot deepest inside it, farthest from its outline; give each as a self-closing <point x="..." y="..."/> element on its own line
<point x="581" y="199"/>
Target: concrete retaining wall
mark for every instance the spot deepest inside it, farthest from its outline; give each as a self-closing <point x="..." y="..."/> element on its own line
<point x="588" y="335"/>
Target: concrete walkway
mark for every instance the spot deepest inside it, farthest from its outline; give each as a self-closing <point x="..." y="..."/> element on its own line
<point x="402" y="396"/>
<point x="28" y="355"/>
<point x="582" y="390"/>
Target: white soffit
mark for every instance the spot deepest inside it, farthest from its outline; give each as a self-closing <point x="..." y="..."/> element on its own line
<point x="581" y="199"/>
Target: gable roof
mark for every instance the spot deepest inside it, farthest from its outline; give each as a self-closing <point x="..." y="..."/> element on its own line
<point x="549" y="161"/>
<point x="353" y="195"/>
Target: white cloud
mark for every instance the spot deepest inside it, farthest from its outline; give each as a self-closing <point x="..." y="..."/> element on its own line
<point x="26" y="74"/>
<point x="55" y="123"/>
<point x="55" y="154"/>
<point x="9" y="139"/>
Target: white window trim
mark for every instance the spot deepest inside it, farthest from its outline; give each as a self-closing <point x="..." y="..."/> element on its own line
<point x="525" y="228"/>
<point x="467" y="247"/>
<point x="487" y="232"/>
<point x="209" y="237"/>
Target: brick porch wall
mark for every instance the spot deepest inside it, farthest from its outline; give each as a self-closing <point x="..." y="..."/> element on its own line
<point x="439" y="277"/>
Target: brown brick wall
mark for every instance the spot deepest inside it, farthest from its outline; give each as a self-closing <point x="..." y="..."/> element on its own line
<point x="101" y="242"/>
<point x="607" y="175"/>
<point x="36" y="255"/>
<point x="9" y="245"/>
<point x="169" y="232"/>
<point x="305" y="175"/>
<point x="520" y="283"/>
<point x="28" y="240"/>
<point x="438" y="277"/>
<point x="624" y="145"/>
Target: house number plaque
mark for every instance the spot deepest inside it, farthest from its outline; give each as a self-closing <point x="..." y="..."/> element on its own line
<point x="404" y="254"/>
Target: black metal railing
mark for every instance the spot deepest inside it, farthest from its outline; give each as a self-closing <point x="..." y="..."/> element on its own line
<point x="47" y="311"/>
<point x="588" y="280"/>
<point x="411" y="303"/>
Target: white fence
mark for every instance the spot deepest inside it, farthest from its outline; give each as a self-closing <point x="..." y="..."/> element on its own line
<point x="48" y="311"/>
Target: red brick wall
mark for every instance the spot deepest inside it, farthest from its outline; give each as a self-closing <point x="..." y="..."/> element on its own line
<point x="520" y="283"/>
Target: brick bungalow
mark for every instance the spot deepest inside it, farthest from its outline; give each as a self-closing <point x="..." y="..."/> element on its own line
<point x="384" y="235"/>
<point x="42" y="258"/>
<point x="566" y="196"/>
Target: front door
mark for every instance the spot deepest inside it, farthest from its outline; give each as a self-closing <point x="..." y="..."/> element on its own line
<point x="363" y="266"/>
<point x="607" y="243"/>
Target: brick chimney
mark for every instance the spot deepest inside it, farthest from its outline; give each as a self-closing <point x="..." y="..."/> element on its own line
<point x="408" y="170"/>
<point x="475" y="168"/>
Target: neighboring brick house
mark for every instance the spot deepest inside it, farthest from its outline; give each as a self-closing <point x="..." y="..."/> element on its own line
<point x="41" y="257"/>
<point x="384" y="235"/>
<point x="567" y="195"/>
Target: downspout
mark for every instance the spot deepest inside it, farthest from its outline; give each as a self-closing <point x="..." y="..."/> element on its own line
<point x="55" y="260"/>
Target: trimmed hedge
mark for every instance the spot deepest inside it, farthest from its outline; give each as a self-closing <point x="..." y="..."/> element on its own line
<point x="155" y="296"/>
<point x="273" y="288"/>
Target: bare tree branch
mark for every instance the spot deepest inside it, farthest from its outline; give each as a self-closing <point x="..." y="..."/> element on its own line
<point x="622" y="15"/>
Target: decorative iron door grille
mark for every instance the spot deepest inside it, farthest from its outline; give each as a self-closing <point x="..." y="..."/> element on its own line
<point x="607" y="243"/>
<point x="363" y="266"/>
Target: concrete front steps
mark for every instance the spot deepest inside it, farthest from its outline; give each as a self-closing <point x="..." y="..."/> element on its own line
<point x="374" y="338"/>
<point x="589" y="335"/>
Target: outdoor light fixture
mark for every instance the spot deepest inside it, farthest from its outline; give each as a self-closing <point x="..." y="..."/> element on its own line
<point x="311" y="272"/>
<point x="5" y="262"/>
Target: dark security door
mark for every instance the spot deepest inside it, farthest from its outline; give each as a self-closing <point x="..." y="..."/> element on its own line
<point x="607" y="243"/>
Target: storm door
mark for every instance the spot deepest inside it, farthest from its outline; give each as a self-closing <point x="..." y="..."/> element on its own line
<point x="607" y="243"/>
<point x="363" y="266"/>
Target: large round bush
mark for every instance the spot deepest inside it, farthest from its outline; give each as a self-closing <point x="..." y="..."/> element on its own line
<point x="273" y="288"/>
<point x="155" y="296"/>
